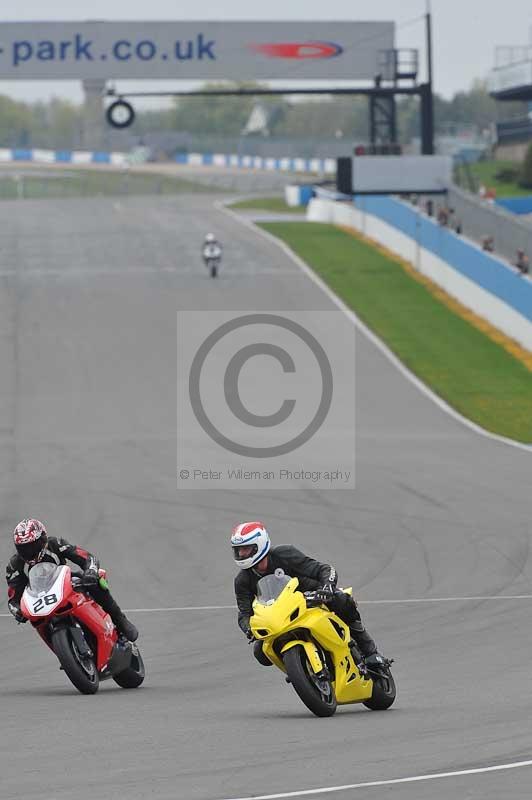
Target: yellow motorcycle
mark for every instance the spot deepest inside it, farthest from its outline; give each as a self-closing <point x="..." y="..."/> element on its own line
<point x="308" y="642"/>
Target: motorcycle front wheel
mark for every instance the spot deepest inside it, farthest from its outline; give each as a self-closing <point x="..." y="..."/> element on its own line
<point x="316" y="693"/>
<point x="81" y="671"/>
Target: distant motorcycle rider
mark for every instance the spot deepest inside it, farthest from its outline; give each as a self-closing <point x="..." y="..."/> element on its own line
<point x="256" y="558"/>
<point x="212" y="249"/>
<point x="33" y="545"/>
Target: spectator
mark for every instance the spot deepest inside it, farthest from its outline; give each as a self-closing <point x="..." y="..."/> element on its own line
<point x="454" y="222"/>
<point x="522" y="263"/>
<point x="443" y="216"/>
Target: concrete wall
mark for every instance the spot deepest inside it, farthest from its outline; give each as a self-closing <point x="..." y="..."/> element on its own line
<point x="481" y="282"/>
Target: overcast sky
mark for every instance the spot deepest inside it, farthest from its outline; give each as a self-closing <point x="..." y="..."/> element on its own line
<point x="465" y="32"/>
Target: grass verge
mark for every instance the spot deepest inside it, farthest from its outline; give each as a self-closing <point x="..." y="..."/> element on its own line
<point x="87" y="183"/>
<point x="485" y="172"/>
<point x="268" y="204"/>
<point x="461" y="364"/>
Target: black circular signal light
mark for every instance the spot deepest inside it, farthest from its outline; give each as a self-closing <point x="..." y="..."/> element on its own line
<point x="120" y="114"/>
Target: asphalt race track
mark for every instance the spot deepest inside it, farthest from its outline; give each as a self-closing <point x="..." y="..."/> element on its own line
<point x="88" y="294"/>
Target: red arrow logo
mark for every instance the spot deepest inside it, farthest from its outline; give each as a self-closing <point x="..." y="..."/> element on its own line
<point x="298" y="50"/>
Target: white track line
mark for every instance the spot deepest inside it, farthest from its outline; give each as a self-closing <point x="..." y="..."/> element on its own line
<point x="458" y="599"/>
<point x="394" y="781"/>
<point x="393" y="602"/>
<point x="464" y="599"/>
<point x="179" y="608"/>
<point x="167" y="608"/>
<point x="384" y="349"/>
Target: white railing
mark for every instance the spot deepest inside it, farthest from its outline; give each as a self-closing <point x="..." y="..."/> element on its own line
<point x="511" y="76"/>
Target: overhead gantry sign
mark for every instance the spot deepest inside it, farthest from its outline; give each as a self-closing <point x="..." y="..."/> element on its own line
<point x="193" y="50"/>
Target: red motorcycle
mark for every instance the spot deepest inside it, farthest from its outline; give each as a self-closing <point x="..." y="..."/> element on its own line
<point x="79" y="632"/>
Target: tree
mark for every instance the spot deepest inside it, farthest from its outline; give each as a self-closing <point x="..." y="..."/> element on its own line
<point x="15" y="123"/>
<point x="216" y="115"/>
<point x="324" y="117"/>
<point x="56" y="124"/>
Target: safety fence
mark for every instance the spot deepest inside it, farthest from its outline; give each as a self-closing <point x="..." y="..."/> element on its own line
<point x="482" y="220"/>
<point x="481" y="281"/>
<point x="500" y="225"/>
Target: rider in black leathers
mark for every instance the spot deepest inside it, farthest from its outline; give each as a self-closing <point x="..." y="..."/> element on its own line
<point x="57" y="551"/>
<point x="314" y="576"/>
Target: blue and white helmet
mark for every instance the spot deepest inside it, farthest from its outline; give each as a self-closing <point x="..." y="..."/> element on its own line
<point x="250" y="542"/>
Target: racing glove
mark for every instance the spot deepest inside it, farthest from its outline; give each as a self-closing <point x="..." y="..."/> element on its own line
<point x="17" y="613"/>
<point x="91" y="576"/>
<point x="326" y="592"/>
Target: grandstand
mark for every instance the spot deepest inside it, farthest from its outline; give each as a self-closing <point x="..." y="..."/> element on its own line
<point x="511" y="80"/>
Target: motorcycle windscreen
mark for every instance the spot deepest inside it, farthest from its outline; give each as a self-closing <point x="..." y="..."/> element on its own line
<point x="42" y="577"/>
<point x="270" y="587"/>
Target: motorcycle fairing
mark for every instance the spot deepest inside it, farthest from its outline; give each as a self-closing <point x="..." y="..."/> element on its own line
<point x="289" y="614"/>
<point x="39" y="603"/>
<point x="70" y="604"/>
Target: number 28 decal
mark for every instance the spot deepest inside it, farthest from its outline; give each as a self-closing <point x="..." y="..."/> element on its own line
<point x="49" y="600"/>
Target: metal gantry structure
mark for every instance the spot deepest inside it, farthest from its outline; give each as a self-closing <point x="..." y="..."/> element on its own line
<point x="397" y="76"/>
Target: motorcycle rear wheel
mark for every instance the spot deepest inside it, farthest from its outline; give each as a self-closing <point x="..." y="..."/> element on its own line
<point x="302" y="678"/>
<point x="133" y="676"/>
<point x="84" y="677"/>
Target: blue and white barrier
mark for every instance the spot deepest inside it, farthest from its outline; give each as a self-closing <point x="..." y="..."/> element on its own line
<point x="63" y="156"/>
<point x="298" y="194"/>
<point x="481" y="281"/>
<point x="314" y="165"/>
<point x="317" y="165"/>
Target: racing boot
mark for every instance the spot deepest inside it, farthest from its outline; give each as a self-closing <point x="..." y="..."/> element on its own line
<point x="373" y="661"/>
<point x="124" y="627"/>
<point x="365" y="644"/>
